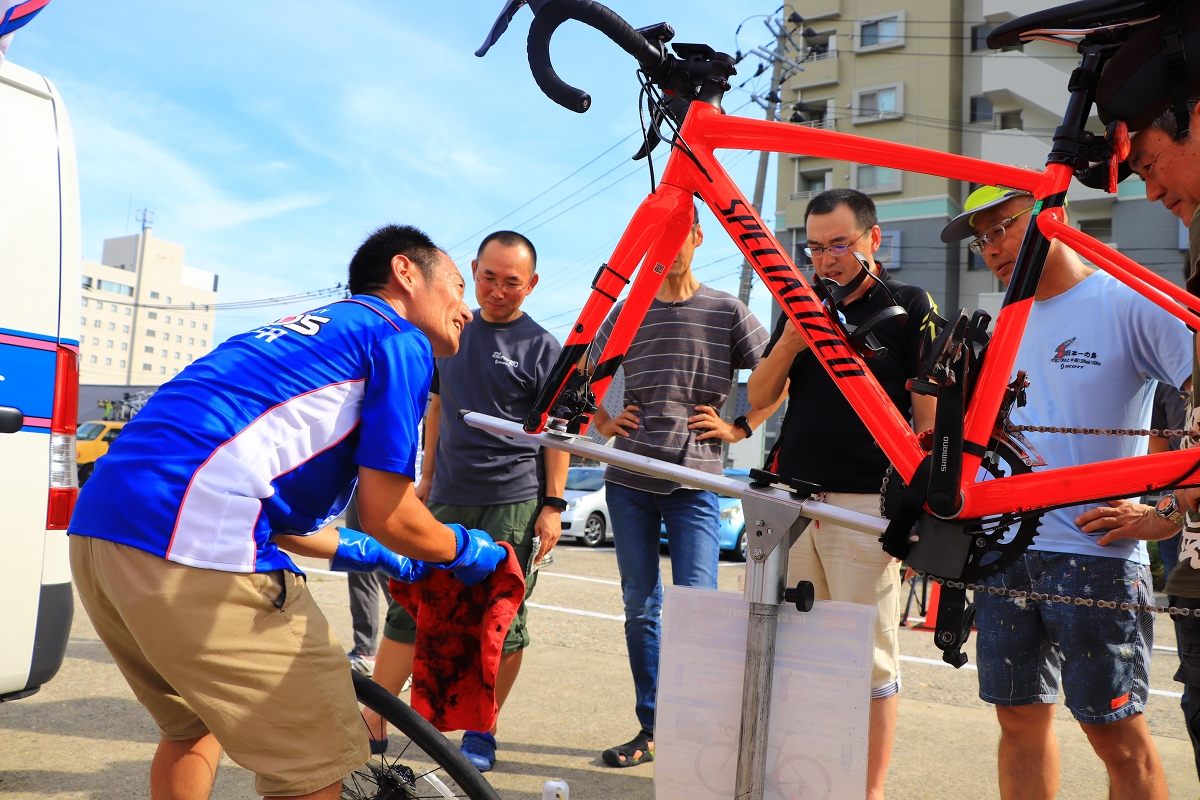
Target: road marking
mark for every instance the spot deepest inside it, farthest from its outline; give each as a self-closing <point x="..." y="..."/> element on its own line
<point x="578" y="578"/>
<point x="576" y="611"/>
<point x="938" y="663"/>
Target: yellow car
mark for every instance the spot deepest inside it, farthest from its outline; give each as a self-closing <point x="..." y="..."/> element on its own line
<point x="91" y="442"/>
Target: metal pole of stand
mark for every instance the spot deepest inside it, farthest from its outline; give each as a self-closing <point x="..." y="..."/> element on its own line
<point x="765" y="581"/>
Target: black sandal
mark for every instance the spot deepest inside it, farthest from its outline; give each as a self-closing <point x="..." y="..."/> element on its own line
<point x="641" y="742"/>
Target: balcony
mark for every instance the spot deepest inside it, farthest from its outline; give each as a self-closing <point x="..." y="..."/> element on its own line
<point x="804" y="196"/>
<point x="820" y="71"/>
<point x="1011" y="8"/>
<point x="1026" y="78"/>
<point x="829" y="124"/>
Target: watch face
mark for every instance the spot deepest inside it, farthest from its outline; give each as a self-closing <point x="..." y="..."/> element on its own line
<point x="1166" y="504"/>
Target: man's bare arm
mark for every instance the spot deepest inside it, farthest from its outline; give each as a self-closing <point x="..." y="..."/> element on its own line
<point x="433" y="426"/>
<point x="389" y="510"/>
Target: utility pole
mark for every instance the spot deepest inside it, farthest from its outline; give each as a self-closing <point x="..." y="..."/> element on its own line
<point x="770" y="103"/>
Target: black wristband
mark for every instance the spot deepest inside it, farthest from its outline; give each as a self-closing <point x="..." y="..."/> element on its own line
<point x="744" y="424"/>
<point x="555" y="502"/>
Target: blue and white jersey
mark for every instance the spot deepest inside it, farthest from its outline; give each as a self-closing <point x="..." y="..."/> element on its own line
<point x="263" y="435"/>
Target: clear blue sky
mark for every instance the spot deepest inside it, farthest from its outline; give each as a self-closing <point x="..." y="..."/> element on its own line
<point x="270" y="137"/>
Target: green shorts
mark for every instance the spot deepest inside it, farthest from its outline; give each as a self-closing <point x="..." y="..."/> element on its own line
<point x="509" y="522"/>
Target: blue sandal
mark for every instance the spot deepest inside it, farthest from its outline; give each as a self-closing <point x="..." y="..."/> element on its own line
<point x="480" y="749"/>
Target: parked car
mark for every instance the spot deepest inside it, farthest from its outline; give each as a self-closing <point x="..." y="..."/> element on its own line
<point x="586" y="517"/>
<point x="733" y="525"/>
<point x="92" y="441"/>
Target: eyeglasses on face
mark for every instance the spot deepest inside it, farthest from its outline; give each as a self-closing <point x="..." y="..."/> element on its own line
<point x="994" y="234"/>
<point x="491" y="284"/>
<point x="835" y="250"/>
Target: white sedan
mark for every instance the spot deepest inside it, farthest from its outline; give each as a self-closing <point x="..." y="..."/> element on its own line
<point x="586" y="517"/>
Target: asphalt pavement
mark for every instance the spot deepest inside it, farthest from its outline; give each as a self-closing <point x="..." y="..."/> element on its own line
<point x="85" y="737"/>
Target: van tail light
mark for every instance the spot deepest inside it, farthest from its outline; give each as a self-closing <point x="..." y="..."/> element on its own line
<point x="64" y="481"/>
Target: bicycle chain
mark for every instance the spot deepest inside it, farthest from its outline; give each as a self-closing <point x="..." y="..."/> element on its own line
<point x="1146" y="608"/>
<point x="1180" y="433"/>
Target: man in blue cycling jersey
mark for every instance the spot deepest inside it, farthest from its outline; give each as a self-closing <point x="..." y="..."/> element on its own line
<point x="178" y="538"/>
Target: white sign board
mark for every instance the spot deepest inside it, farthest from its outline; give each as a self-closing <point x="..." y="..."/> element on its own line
<point x="820" y="707"/>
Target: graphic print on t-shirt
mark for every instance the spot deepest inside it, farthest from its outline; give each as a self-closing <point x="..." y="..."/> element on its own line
<point x="1069" y="358"/>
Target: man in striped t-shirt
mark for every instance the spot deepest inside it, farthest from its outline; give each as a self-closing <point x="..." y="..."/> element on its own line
<point x="678" y="369"/>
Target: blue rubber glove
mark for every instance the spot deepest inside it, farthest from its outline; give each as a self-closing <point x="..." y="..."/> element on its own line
<point x="477" y="555"/>
<point x="358" y="552"/>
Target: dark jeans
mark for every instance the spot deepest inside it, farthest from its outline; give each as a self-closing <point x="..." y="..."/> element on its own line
<point x="1187" y="632"/>
<point x="692" y="520"/>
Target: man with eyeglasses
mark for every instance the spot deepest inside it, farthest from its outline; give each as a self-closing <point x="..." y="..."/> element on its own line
<point x="1093" y="350"/>
<point x="823" y="441"/>
<point x="511" y="490"/>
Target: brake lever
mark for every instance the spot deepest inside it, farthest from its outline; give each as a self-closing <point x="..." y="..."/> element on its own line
<point x="506" y="16"/>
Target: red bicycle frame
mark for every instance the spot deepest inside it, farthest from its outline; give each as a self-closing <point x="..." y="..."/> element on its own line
<point x="662" y="221"/>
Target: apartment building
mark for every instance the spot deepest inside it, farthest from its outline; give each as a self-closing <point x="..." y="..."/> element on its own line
<point x="144" y="314"/>
<point x="919" y="72"/>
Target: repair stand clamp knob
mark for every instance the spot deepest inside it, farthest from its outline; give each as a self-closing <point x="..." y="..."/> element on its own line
<point x="803" y="596"/>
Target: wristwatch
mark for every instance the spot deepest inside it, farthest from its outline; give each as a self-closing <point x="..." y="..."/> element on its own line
<point x="1167" y="509"/>
<point x="555" y="502"/>
<point x="744" y="424"/>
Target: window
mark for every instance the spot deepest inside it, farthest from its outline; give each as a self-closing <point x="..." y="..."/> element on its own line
<point x="147" y="367"/>
<point x="149" y="349"/>
<point x="875" y="103"/>
<point x="176" y="355"/>
<point x="124" y="329"/>
<point x="873" y="180"/>
<point x="880" y="33"/>
<point x="112" y="326"/>
<point x="175" y="371"/>
<point x="204" y="342"/>
<point x="95" y="340"/>
<point x="83" y="321"/>
<point x="1011" y="121"/>
<point x="168" y="298"/>
<point x="981" y="109"/>
<point x="108" y="362"/>
<point x="164" y="353"/>
<point x="128" y="311"/>
<point x="1099" y="229"/>
<point x="167" y="319"/>
<point x="179" y="338"/>
<point x="193" y="324"/>
<point x="112" y="306"/>
<point x="110" y="343"/>
<point x="166" y="336"/>
<point x="124" y="345"/>
<point x="115" y="288"/>
<point x="121" y="363"/>
<point x="92" y="359"/>
<point x="85" y="302"/>
<point x="204" y="326"/>
<point x="189" y="358"/>
<point x="86" y="282"/>
<point x="979" y="34"/>
<point x="889" y="250"/>
<point x="191" y="340"/>
<point x="96" y="324"/>
<point x="152" y="315"/>
<point x="149" y="332"/>
<point x="154" y="295"/>
<point x="181" y="320"/>
<point x="162" y="370"/>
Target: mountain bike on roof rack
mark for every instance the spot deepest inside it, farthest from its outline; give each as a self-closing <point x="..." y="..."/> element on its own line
<point x="944" y="521"/>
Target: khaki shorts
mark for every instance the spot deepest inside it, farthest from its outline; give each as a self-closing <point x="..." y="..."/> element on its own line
<point x="506" y="522"/>
<point x="851" y="566"/>
<point x="208" y="651"/>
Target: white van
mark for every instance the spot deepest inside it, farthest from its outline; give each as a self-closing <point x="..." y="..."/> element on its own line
<point x="39" y="377"/>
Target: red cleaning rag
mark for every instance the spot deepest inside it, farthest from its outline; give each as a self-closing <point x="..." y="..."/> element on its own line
<point x="460" y="633"/>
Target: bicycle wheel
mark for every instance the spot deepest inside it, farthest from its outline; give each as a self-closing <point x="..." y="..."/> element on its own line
<point x="419" y="763"/>
<point x="802" y="778"/>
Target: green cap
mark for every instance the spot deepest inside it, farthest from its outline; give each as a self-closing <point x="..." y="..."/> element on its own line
<point x="982" y="198"/>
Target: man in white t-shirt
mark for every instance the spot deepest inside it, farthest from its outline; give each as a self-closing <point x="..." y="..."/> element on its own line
<point x="1093" y="350"/>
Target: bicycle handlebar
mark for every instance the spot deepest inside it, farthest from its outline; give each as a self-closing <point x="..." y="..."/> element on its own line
<point x="554" y="13"/>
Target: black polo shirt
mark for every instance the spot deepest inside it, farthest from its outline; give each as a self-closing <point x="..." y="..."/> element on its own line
<point x="822" y="440"/>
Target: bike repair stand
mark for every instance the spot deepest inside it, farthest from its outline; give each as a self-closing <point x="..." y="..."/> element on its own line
<point x="776" y="512"/>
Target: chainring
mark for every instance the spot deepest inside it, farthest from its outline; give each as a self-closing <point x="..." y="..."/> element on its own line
<point x="988" y="556"/>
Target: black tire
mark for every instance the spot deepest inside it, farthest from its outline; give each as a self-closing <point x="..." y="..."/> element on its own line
<point x="417" y="759"/>
<point x="593" y="530"/>
<point x="85" y="471"/>
<point x="742" y="547"/>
